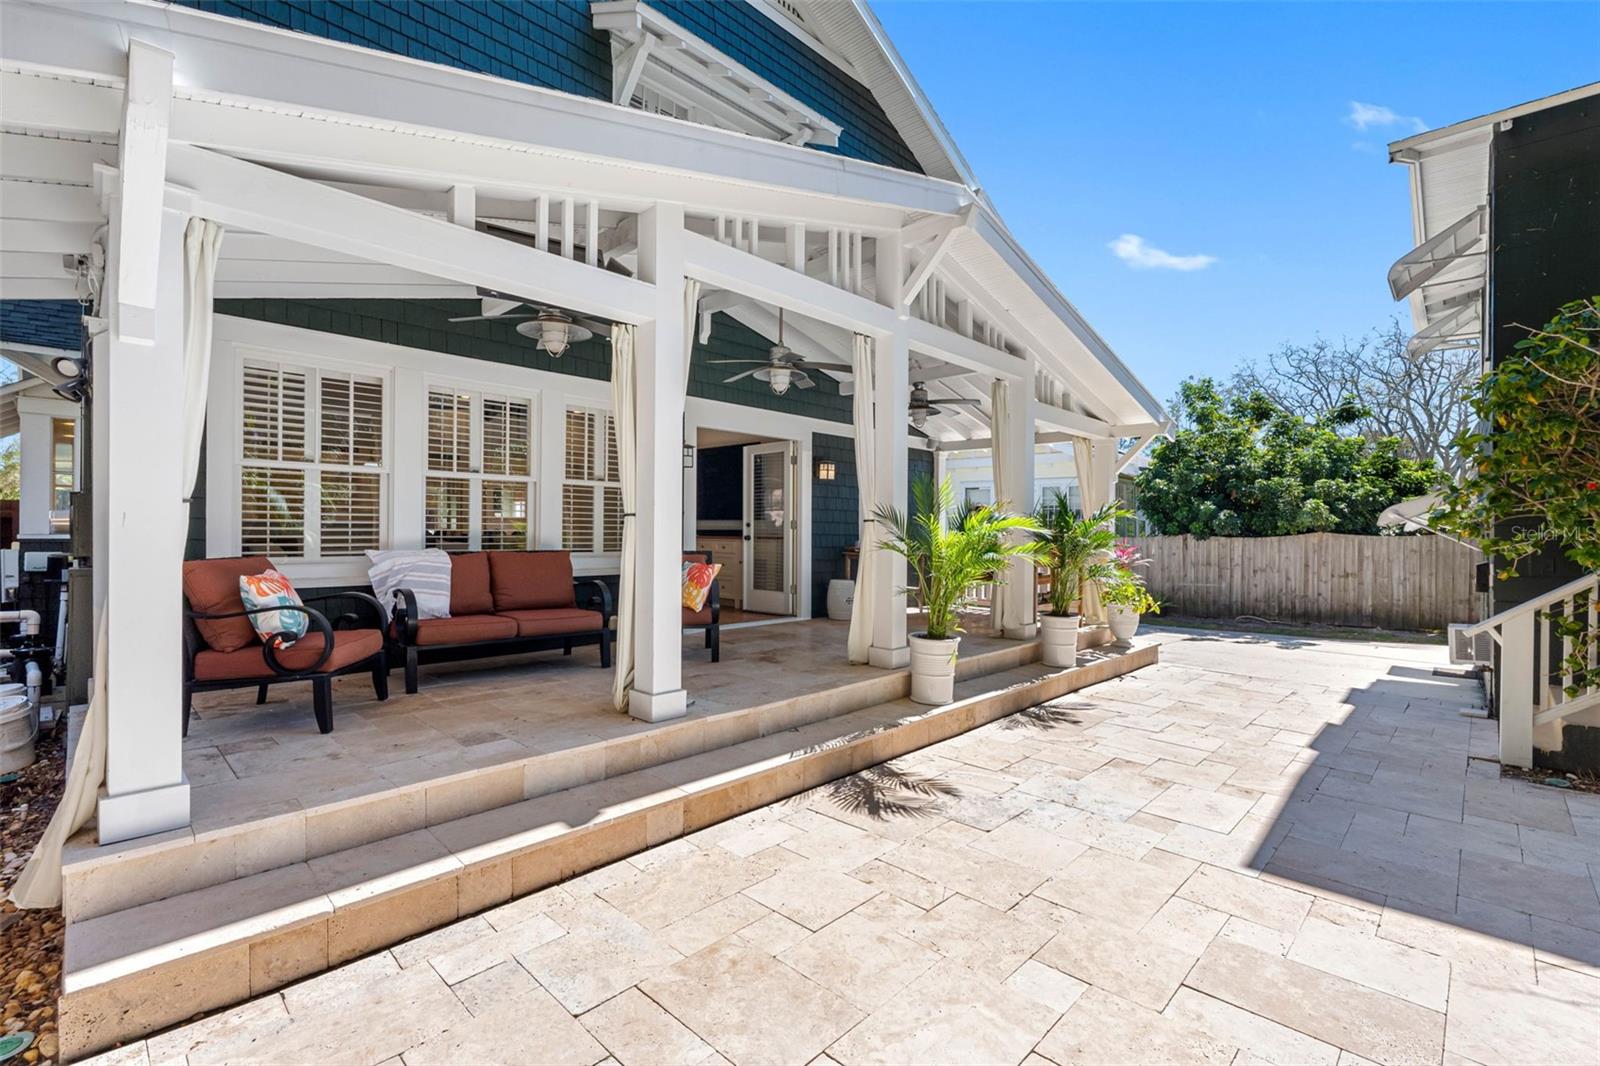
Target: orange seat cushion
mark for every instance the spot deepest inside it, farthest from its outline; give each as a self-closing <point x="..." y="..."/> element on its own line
<point x="349" y="646"/>
<point x="702" y="617"/>
<point x="469" y="584"/>
<point x="465" y="629"/>
<point x="554" y="621"/>
<point x="212" y="587"/>
<point x="530" y="581"/>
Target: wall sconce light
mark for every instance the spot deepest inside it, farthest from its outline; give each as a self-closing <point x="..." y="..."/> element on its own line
<point x="827" y="470"/>
<point x="688" y="456"/>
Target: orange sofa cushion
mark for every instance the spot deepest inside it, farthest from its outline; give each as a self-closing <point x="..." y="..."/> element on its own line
<point x="554" y="621"/>
<point x="212" y="587"/>
<point x="702" y="617"/>
<point x="465" y="629"/>
<point x="529" y="581"/>
<point x="469" y="584"/>
<point x="349" y="646"/>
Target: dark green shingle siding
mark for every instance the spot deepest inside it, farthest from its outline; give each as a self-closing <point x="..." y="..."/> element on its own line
<point x="553" y="44"/>
<point x="47" y="323"/>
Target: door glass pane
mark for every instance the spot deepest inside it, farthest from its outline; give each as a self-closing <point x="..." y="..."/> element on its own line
<point x="769" y="500"/>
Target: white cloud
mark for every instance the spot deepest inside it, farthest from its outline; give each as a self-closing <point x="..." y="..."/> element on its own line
<point x="1132" y="249"/>
<point x="1376" y="116"/>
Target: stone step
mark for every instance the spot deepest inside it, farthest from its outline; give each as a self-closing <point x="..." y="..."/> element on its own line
<point x="102" y="880"/>
<point x="154" y="964"/>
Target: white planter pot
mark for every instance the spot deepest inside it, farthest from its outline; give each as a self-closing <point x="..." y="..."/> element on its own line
<point x="933" y="669"/>
<point x="1124" y="622"/>
<point x="1058" y="639"/>
<point x="19" y="726"/>
<point x="841" y="599"/>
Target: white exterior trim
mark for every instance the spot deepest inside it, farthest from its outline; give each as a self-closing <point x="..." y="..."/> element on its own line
<point x="408" y="372"/>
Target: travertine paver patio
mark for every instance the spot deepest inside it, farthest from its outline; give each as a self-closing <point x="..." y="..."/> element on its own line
<point x="1262" y="850"/>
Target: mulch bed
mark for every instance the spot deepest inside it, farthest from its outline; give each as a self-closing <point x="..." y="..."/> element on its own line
<point x="1580" y="782"/>
<point x="30" y="941"/>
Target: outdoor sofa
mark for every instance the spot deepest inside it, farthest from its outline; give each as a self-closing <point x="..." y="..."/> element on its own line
<point x="221" y="649"/>
<point x="710" y="615"/>
<point x="504" y="603"/>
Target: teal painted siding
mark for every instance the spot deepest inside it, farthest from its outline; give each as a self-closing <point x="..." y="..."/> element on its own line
<point x="553" y="43"/>
<point x="835" y="516"/>
<point x="47" y="323"/>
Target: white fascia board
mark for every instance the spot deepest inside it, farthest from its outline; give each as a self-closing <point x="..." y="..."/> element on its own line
<point x="633" y="21"/>
<point x="244" y="195"/>
<point x="1399" y="149"/>
<point x="250" y="67"/>
<point x="988" y="225"/>
<point x="952" y="347"/>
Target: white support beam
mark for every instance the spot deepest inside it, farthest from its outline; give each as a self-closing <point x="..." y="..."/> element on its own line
<point x="1019" y="605"/>
<point x="462" y="208"/>
<point x="728" y="268"/>
<point x="627" y="67"/>
<point x="891" y="390"/>
<point x="952" y="347"/>
<point x="246" y="196"/>
<point x="38" y="202"/>
<point x="931" y="260"/>
<point x="1126" y="458"/>
<point x="142" y="164"/>
<point x="657" y="691"/>
<point x="1072" y="421"/>
<point x="139" y="534"/>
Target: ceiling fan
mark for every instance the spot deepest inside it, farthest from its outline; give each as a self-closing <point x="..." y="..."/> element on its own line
<point x="551" y="328"/>
<point x="783" y="367"/>
<point x="922" y="406"/>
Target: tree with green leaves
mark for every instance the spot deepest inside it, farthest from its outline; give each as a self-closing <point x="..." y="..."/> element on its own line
<point x="1244" y="466"/>
<point x="1533" y="479"/>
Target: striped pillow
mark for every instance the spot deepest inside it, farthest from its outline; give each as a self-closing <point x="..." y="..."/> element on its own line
<point x="425" y="572"/>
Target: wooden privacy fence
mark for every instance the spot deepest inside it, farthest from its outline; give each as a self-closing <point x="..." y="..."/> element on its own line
<point x="1412" y="582"/>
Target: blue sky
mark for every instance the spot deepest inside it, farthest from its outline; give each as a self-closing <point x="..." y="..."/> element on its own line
<point x="1222" y="138"/>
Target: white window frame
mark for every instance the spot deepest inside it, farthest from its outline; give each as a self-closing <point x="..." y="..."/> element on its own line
<point x="474" y="476"/>
<point x="313" y="467"/>
<point x="603" y="413"/>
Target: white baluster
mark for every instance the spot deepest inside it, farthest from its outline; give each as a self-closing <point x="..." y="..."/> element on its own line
<point x="591" y="235"/>
<point x="541" y="223"/>
<point x="567" y="222"/>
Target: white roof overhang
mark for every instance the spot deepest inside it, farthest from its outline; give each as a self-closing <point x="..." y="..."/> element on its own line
<point x="339" y="113"/>
<point x="1449" y="172"/>
<point x="1460" y="325"/>
<point x="650" y="49"/>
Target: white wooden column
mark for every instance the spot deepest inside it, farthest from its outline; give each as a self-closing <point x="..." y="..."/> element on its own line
<point x="1021" y="599"/>
<point x="891" y="392"/>
<point x="139" y="547"/>
<point x="658" y="454"/>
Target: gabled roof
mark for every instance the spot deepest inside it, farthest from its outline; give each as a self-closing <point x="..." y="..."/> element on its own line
<point x="849" y="28"/>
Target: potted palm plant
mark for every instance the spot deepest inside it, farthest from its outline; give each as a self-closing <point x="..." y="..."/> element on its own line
<point x="1126" y="596"/>
<point x="948" y="554"/>
<point x="1076" y="550"/>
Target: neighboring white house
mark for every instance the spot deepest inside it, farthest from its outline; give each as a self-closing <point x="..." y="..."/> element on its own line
<point x="49" y="449"/>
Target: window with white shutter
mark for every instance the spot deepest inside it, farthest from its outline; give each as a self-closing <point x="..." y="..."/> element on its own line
<point x="313" y="473"/>
<point x="479" y="485"/>
<point x="591" y="498"/>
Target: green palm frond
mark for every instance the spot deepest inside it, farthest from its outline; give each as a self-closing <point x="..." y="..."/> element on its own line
<point x="1076" y="549"/>
<point x="950" y="551"/>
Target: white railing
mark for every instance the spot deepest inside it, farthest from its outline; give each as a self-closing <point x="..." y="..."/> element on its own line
<point x="1540" y="681"/>
<point x="835" y="254"/>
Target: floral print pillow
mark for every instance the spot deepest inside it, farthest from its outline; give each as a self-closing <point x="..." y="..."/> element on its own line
<point x="272" y="589"/>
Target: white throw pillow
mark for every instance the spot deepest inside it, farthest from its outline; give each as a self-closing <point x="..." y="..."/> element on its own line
<point x="425" y="572"/>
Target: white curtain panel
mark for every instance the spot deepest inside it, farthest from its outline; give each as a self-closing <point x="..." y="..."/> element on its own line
<point x="859" y="647"/>
<point x="1093" y="493"/>
<point x="1000" y="461"/>
<point x="691" y="308"/>
<point x="623" y="409"/>
<point x="202" y="243"/>
<point x="40" y="882"/>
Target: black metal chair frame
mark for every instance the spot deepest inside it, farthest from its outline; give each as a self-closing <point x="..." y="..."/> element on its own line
<point x="321" y="680"/>
<point x="714" y="630"/>
<point x="405" y="632"/>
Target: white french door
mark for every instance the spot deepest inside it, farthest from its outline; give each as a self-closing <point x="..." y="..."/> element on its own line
<point x="770" y="523"/>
